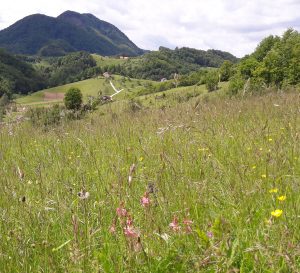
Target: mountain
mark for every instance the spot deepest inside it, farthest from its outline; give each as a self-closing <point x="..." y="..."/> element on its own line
<point x="71" y="31"/>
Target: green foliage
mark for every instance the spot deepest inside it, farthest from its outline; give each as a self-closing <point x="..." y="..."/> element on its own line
<point x="193" y="78"/>
<point x="226" y="70"/>
<point x="275" y="62"/>
<point x="16" y="76"/>
<point x="212" y="80"/>
<point x="73" y="98"/>
<point x="247" y="67"/>
<point x="236" y="84"/>
<point x="73" y="67"/>
<point x="264" y="47"/>
<point x="165" y="62"/>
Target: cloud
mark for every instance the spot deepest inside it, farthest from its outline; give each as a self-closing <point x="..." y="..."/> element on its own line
<point x="235" y="26"/>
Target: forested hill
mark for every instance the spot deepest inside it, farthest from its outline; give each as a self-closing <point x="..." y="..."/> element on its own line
<point x="162" y="63"/>
<point x="71" y="31"/>
<point x="17" y="75"/>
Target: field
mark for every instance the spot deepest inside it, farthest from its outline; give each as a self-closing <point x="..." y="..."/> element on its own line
<point x="107" y="61"/>
<point x="196" y="184"/>
<point x="90" y="87"/>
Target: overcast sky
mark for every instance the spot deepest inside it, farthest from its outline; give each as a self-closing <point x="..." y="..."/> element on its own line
<point x="236" y="26"/>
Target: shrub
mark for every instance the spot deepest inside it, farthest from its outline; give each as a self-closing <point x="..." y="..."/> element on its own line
<point x="73" y="99"/>
<point x="235" y="84"/>
<point x="211" y="81"/>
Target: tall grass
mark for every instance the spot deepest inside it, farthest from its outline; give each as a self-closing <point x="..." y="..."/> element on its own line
<point x="221" y="164"/>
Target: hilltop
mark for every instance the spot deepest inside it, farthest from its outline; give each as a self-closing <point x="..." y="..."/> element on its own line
<point x="69" y="32"/>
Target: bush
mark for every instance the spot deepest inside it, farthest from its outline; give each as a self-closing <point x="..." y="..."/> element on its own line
<point x="235" y="85"/>
<point x="73" y="99"/>
<point x="211" y="81"/>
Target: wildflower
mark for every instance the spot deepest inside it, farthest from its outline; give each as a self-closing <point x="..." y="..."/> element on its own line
<point x="112" y="228"/>
<point x="141" y="159"/>
<point x="130" y="232"/>
<point x="145" y="201"/>
<point x="129" y="229"/>
<point x="281" y="198"/>
<point x="275" y="190"/>
<point x="83" y="194"/>
<point x="270" y="139"/>
<point x="187" y="223"/>
<point x="253" y="167"/>
<point x="276" y="213"/>
<point x="129" y="221"/>
<point x="263" y="176"/>
<point x="174" y="224"/>
<point x="121" y="211"/>
<point x="209" y="234"/>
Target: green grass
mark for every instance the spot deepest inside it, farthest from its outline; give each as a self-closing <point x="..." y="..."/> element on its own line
<point x="132" y="88"/>
<point x="107" y="61"/>
<point x="90" y="87"/>
<point x="210" y="160"/>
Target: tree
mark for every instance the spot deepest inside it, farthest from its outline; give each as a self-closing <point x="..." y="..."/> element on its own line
<point x="73" y="99"/>
<point x="212" y="80"/>
<point x="226" y="70"/>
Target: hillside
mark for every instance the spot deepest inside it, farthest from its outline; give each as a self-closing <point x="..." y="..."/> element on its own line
<point x="17" y="76"/>
<point x="70" y="31"/>
<point x="165" y="62"/>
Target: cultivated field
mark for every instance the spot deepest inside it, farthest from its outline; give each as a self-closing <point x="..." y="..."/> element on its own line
<point x="206" y="185"/>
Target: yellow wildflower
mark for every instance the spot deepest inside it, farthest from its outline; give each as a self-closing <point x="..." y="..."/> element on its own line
<point x="276" y="213"/>
<point x="270" y="139"/>
<point x="253" y="167"/>
<point x="273" y="190"/>
<point x="263" y="176"/>
<point x="141" y="159"/>
<point x="281" y="198"/>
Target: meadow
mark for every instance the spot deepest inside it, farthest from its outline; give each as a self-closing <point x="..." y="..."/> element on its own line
<point x="89" y="87"/>
<point x="204" y="184"/>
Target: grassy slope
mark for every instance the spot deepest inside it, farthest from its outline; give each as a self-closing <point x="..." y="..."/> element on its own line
<point x="213" y="162"/>
<point x="89" y="87"/>
<point x="103" y="61"/>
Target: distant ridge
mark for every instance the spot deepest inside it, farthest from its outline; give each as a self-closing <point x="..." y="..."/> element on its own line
<point x="39" y="34"/>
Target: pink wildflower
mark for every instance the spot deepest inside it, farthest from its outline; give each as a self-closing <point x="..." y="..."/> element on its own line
<point x="174" y="224"/>
<point x="187" y="223"/>
<point x="145" y="201"/>
<point x="112" y="229"/>
<point x="209" y="234"/>
<point x="121" y="211"/>
<point x="129" y="221"/>
<point x="130" y="232"/>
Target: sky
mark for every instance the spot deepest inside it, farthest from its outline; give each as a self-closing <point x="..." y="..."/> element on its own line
<point x="235" y="26"/>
